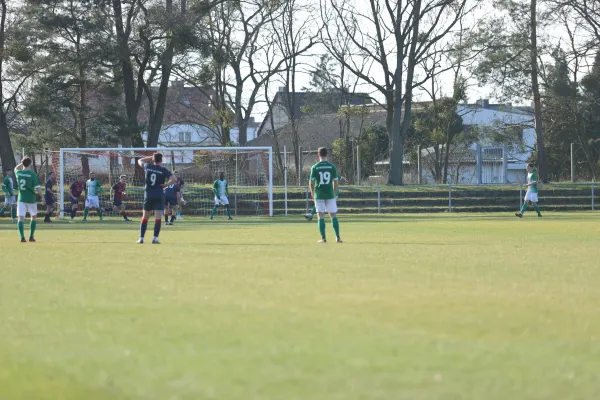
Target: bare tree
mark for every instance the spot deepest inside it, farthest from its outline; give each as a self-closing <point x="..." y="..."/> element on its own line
<point x="394" y="36"/>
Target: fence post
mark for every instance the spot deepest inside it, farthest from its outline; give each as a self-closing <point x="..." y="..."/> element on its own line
<point x="449" y="198"/>
<point x="573" y="166"/>
<point x="285" y="177"/>
<point x="307" y="200"/>
<point x="521" y="196"/>
<point x="419" y="166"/>
<point x="593" y="195"/>
<point x="505" y="163"/>
<point x="378" y="200"/>
<point x="358" y="171"/>
<point x="300" y="167"/>
<point x="235" y="201"/>
<point x="479" y="168"/>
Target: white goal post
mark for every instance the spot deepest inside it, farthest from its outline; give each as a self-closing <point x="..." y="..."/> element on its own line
<point x="248" y="170"/>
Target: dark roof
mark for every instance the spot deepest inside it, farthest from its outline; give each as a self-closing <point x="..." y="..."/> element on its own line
<point x="317" y="131"/>
<point x="320" y="102"/>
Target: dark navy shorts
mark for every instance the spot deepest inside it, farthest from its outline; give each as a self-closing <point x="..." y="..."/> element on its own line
<point x="154" y="203"/>
<point x="118" y="202"/>
<point x="76" y="201"/>
<point x="171" y="201"/>
<point x="49" y="199"/>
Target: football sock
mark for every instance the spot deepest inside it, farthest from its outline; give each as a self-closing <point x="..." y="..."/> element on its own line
<point x="313" y="211"/>
<point x="2" y="211"/>
<point x="73" y="213"/>
<point x="21" y="226"/>
<point x="228" y="211"/>
<point x="322" y="227"/>
<point x="179" y="213"/>
<point x="172" y="217"/>
<point x="537" y="209"/>
<point x="213" y="212"/>
<point x="336" y="226"/>
<point x="157" y="224"/>
<point x="13" y="212"/>
<point x="166" y="218"/>
<point x="85" y="213"/>
<point x="32" y="227"/>
<point x="143" y="227"/>
<point x="100" y="213"/>
<point x="124" y="214"/>
<point x="524" y="208"/>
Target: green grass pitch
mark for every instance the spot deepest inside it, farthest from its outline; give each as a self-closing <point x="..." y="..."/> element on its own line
<point x="415" y="307"/>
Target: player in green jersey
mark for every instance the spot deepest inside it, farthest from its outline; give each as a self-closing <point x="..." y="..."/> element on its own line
<point x="531" y="197"/>
<point x="28" y="184"/>
<point x="221" y="191"/>
<point x="323" y="188"/>
<point x="8" y="186"/>
<point x="93" y="189"/>
<point x="309" y="216"/>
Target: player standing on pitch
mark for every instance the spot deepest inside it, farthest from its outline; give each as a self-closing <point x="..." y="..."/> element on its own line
<point x="182" y="202"/>
<point x="172" y="200"/>
<point x="93" y="189"/>
<point x="27" y="181"/>
<point x="75" y="194"/>
<point x="49" y="198"/>
<point x="312" y="212"/>
<point x="531" y="197"/>
<point x="8" y="186"/>
<point x="221" y="191"/>
<point x="156" y="178"/>
<point x="117" y="193"/>
<point x="323" y="187"/>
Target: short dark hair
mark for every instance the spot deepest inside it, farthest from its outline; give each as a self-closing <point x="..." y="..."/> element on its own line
<point x="323" y="151"/>
<point x="530" y="165"/>
<point x="26" y="162"/>
<point x="157" y="158"/>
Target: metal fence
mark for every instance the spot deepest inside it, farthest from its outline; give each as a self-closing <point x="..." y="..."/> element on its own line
<point x="441" y="198"/>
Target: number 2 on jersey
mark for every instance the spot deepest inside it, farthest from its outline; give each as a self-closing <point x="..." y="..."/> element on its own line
<point x="325" y="178"/>
<point x="153" y="179"/>
<point x="23" y="184"/>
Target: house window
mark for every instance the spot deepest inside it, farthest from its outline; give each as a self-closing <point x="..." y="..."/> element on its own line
<point x="188" y="137"/>
<point x="186" y="101"/>
<point x="181" y="136"/>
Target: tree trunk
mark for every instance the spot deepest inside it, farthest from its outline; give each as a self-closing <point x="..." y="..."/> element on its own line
<point x="132" y="105"/>
<point x="166" y="66"/>
<point x="7" y="155"/>
<point x="537" y="102"/>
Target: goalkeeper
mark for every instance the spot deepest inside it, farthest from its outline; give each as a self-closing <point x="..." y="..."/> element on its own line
<point x="309" y="215"/>
<point x="221" y="191"/>
<point x="93" y="188"/>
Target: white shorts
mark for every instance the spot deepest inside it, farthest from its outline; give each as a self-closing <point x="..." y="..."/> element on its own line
<point x="326" y="206"/>
<point x="222" y="200"/>
<point x="92" y="202"/>
<point x="10" y="200"/>
<point x="24" y="208"/>
<point x="530" y="196"/>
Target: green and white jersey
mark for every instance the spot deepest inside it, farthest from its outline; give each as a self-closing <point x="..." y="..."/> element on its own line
<point x="8" y="186"/>
<point x="532" y="178"/>
<point x="220" y="188"/>
<point x="93" y="187"/>
<point x="323" y="174"/>
<point x="27" y="181"/>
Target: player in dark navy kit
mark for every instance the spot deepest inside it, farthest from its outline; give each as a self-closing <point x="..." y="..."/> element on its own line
<point x="182" y="202"/>
<point x="156" y="178"/>
<point x="172" y="199"/>
<point x="118" y="191"/>
<point x="49" y="198"/>
<point x="76" y="189"/>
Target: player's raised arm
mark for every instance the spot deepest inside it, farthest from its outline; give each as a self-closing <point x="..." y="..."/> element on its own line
<point x="19" y="167"/>
<point x="144" y="161"/>
<point x="172" y="180"/>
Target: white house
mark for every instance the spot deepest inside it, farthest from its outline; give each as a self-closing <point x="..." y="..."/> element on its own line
<point x="495" y="169"/>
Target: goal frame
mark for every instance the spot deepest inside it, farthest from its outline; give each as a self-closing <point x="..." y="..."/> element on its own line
<point x="114" y="149"/>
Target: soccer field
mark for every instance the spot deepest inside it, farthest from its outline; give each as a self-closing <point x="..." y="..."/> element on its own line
<point x="454" y="306"/>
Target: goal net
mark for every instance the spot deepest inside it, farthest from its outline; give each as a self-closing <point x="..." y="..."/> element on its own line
<point x="248" y="171"/>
